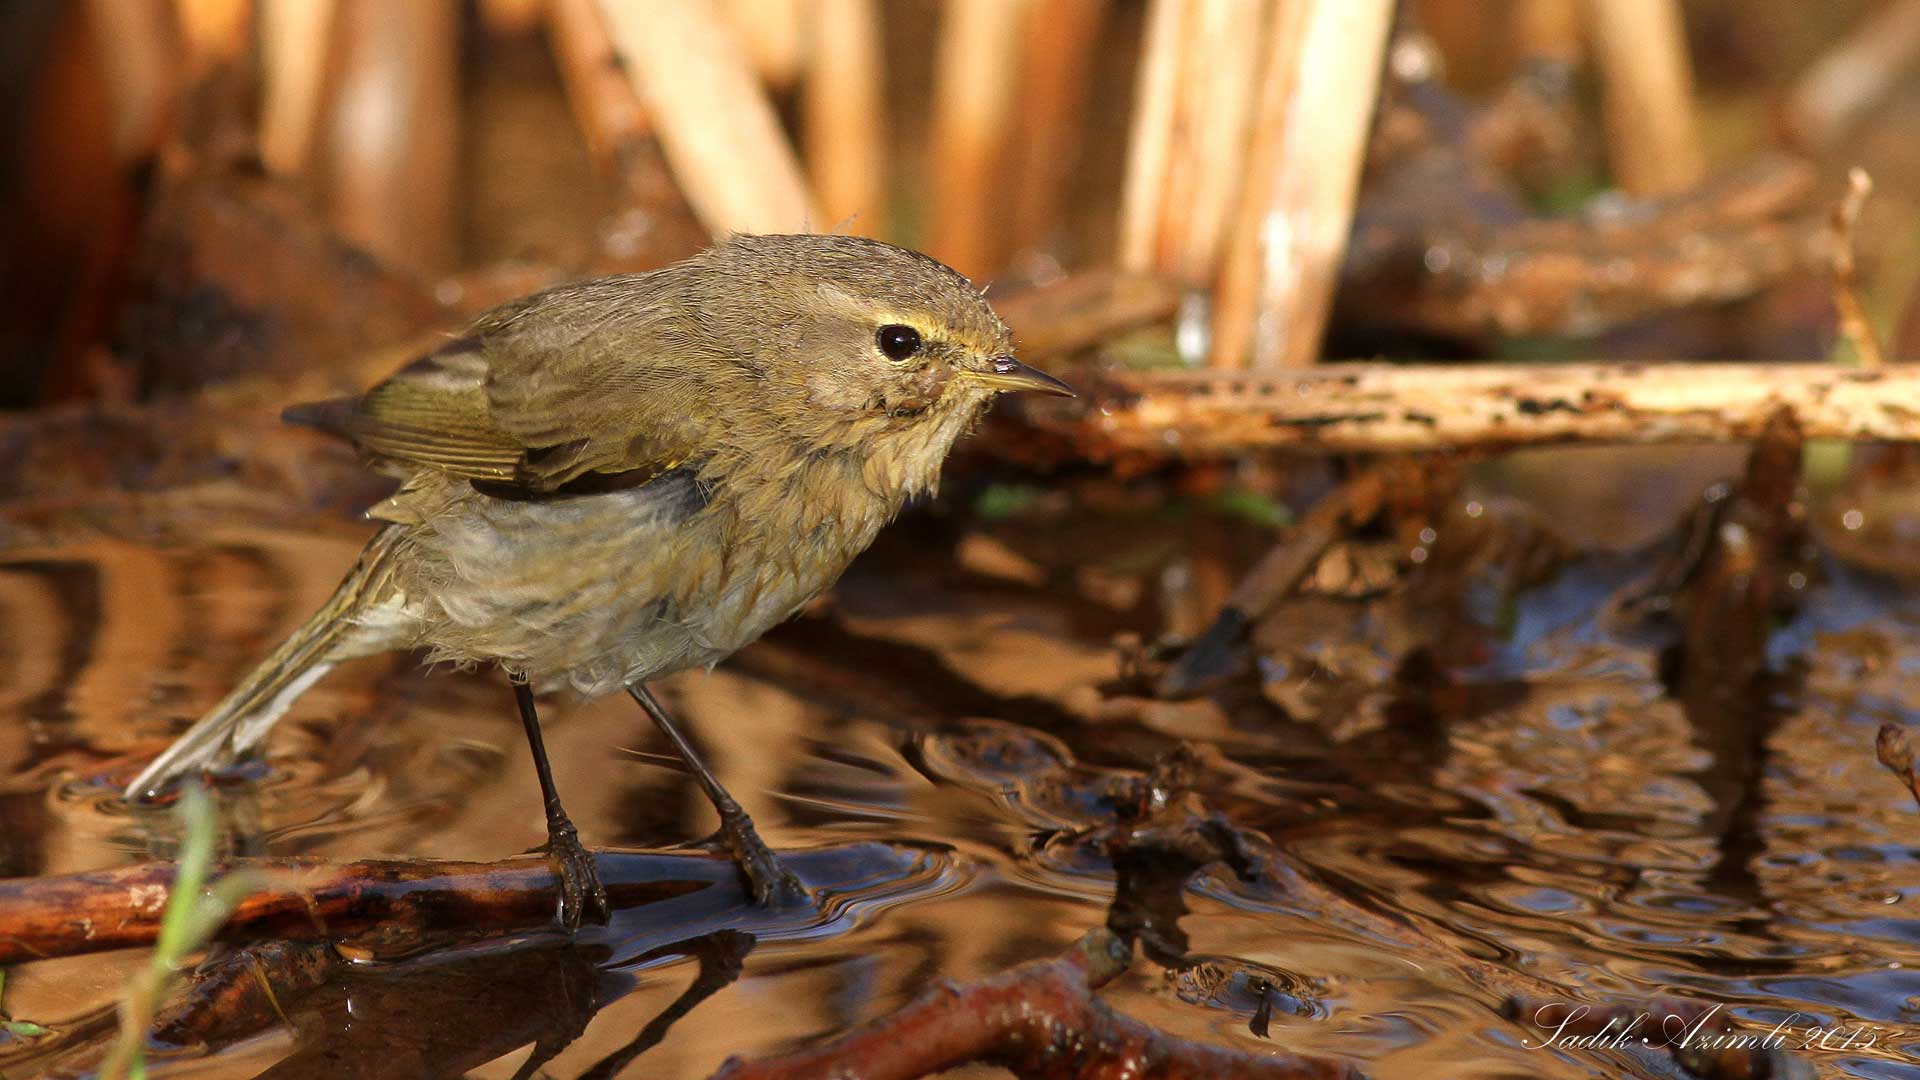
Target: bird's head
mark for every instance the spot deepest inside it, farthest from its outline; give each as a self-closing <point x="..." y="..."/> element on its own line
<point x="857" y="339"/>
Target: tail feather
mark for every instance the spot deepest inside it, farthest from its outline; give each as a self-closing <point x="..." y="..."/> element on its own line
<point x="244" y="716"/>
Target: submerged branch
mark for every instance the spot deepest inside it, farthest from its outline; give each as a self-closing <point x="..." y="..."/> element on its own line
<point x="1039" y="1019"/>
<point x="1416" y="407"/>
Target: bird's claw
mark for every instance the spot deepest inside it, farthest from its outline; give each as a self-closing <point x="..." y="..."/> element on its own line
<point x="583" y="900"/>
<point x="771" y="884"/>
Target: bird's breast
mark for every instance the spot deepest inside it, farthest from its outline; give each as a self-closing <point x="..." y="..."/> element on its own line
<point x="603" y="590"/>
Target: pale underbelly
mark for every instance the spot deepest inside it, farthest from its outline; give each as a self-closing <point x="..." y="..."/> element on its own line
<point x="591" y="602"/>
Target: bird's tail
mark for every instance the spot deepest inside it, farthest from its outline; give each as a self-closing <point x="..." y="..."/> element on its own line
<point x="245" y="715"/>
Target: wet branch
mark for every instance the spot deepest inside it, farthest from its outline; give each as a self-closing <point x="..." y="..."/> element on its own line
<point x="311" y="900"/>
<point x="1039" y="1020"/>
<point x="1415" y="407"/>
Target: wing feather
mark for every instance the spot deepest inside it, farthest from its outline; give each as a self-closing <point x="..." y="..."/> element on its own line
<point x="582" y="380"/>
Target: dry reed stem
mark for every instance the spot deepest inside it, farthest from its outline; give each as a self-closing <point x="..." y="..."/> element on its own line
<point x="1150" y="134"/>
<point x="1549" y="30"/>
<point x="604" y="103"/>
<point x="1475" y="37"/>
<point x="1359" y="408"/>
<point x="1054" y="82"/>
<point x="845" y="118"/>
<point x="714" y="121"/>
<point x="713" y="118"/>
<point x="1236" y="295"/>
<point x="294" y="35"/>
<point x="393" y="131"/>
<point x="135" y="43"/>
<point x="214" y="31"/>
<point x="1853" y="76"/>
<point x="773" y="35"/>
<point x="1647" y="94"/>
<point x="1323" y="80"/>
<point x="1219" y="69"/>
<point x="1854" y="324"/>
<point x="512" y="18"/>
<point x="978" y="61"/>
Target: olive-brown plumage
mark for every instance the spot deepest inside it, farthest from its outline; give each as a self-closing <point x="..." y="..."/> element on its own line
<point x="616" y="479"/>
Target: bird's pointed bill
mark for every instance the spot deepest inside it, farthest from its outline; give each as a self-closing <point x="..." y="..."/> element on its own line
<point x="1010" y="374"/>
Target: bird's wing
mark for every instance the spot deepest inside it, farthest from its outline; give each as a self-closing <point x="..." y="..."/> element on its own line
<point x="570" y="387"/>
<point x="432" y="413"/>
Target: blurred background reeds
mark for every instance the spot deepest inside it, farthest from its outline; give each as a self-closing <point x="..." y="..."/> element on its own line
<point x="1298" y="179"/>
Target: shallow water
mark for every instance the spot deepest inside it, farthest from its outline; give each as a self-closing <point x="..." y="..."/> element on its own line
<point x="1542" y="816"/>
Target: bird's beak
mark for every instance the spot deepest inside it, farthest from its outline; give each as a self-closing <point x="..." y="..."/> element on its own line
<point x="1006" y="373"/>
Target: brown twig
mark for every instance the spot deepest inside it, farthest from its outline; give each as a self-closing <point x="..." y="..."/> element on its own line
<point x="1039" y="1019"/>
<point x="1854" y="325"/>
<point x="311" y="900"/>
<point x="1896" y="753"/>
<point x="1384" y="408"/>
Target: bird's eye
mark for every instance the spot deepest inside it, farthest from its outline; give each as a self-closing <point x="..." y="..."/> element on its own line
<point x="898" y="342"/>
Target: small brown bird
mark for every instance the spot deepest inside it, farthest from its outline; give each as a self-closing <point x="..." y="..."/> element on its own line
<point x="617" y="479"/>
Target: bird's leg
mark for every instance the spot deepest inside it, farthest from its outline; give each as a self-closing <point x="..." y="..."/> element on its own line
<point x="581" y="894"/>
<point x="770" y="882"/>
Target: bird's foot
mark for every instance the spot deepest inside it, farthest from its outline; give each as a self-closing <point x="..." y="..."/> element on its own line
<point x="582" y="898"/>
<point x="771" y="884"/>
